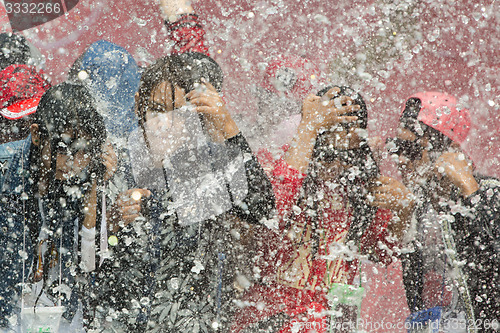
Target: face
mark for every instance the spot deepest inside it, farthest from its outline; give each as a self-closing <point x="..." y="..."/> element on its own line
<point x="338" y="138"/>
<point x="73" y="156"/>
<point x="164" y="130"/>
<point x="161" y="99"/>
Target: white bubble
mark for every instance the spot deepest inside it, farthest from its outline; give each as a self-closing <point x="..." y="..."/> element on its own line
<point x="136" y="195"/>
<point x="83" y="75"/>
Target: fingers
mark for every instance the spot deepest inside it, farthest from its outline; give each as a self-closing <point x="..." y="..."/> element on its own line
<point x="312" y="97"/>
<point x="109" y="159"/>
<point x="204" y="100"/>
<point x="332" y="93"/>
<point x="207" y="90"/>
<point x="344" y="109"/>
<point x="208" y="110"/>
<point x="343" y="119"/>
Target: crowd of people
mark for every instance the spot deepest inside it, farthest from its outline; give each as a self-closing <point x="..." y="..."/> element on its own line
<point x="130" y="201"/>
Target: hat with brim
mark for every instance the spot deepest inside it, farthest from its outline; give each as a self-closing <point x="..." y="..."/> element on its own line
<point x="20" y="109"/>
<point x="22" y="88"/>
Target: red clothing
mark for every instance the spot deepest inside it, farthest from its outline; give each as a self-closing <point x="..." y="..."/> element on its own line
<point x="188" y="35"/>
<point x="295" y="273"/>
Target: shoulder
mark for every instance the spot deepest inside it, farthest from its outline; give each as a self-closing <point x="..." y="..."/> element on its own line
<point x="13" y="156"/>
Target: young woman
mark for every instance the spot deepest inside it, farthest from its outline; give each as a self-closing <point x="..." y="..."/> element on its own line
<point x="325" y="225"/>
<point x="197" y="180"/>
<point x="50" y="204"/>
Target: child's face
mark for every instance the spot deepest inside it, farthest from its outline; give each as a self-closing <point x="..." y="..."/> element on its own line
<point x="161" y="99"/>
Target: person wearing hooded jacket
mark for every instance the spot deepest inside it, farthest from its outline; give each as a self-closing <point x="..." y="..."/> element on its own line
<point x="49" y="208"/>
<point x="22" y="86"/>
<point x="180" y="240"/>
<point x="451" y="269"/>
<point x="112" y="76"/>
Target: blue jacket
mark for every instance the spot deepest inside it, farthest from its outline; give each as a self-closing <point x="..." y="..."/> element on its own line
<point x="112" y="76"/>
<point x="16" y="194"/>
<point x="13" y="157"/>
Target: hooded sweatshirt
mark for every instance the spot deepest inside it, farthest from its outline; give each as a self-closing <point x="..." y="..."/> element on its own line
<point x="112" y="75"/>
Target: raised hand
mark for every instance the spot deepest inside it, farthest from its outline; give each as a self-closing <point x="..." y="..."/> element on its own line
<point x="454" y="167"/>
<point x="126" y="208"/>
<point x="109" y="159"/>
<point x="324" y="112"/>
<point x="217" y="120"/>
<point x="172" y="8"/>
<point x="389" y="193"/>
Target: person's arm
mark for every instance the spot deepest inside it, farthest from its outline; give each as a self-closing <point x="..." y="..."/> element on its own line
<point x="184" y="26"/>
<point x="485" y="201"/>
<point x="454" y="167"/>
<point x="259" y="202"/>
<point x="392" y="195"/>
<point x="216" y="117"/>
<point x="126" y="208"/>
<point x="88" y="232"/>
<point x="172" y="10"/>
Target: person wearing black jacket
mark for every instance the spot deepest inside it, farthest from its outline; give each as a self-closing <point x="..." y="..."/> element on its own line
<point x="172" y="268"/>
<point x="451" y="268"/>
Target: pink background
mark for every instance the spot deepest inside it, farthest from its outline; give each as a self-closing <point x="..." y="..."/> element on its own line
<point x="463" y="59"/>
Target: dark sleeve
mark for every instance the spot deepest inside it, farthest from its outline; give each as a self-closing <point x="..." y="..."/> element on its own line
<point x="487" y="203"/>
<point x="479" y="242"/>
<point x="259" y="202"/>
<point x="484" y="205"/>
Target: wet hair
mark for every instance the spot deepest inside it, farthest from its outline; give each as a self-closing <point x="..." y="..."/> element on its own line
<point x="70" y="107"/>
<point x="14" y="49"/>
<point x="63" y="108"/>
<point x="14" y="129"/>
<point x="355" y="182"/>
<point x="183" y="70"/>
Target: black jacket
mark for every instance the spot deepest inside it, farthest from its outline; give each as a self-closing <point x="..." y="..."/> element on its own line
<point x="476" y="232"/>
<point x="136" y="283"/>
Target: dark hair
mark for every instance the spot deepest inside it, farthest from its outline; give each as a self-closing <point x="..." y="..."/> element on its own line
<point x="66" y="107"/>
<point x="183" y="70"/>
<point x="409" y="120"/>
<point x="18" y="50"/>
<point x="360" y="158"/>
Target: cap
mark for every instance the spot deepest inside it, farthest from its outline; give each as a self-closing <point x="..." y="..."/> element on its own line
<point x="22" y="88"/>
<point x="440" y="111"/>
